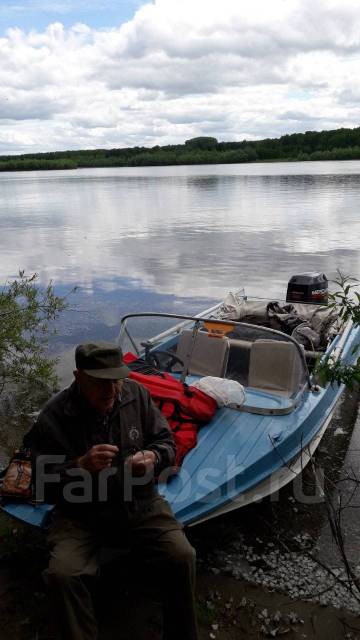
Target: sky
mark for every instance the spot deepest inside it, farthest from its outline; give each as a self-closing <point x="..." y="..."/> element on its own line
<point x="84" y="74"/>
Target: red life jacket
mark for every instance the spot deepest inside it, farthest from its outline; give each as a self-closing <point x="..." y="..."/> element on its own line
<point x="185" y="408"/>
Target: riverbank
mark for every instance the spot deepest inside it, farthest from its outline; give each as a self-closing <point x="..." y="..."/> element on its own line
<point x="352" y="153"/>
<point x="338" y="144"/>
<point x="228" y="608"/>
<point x="263" y="571"/>
<point x="239" y="610"/>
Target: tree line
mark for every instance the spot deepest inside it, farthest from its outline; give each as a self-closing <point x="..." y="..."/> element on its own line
<point x="338" y="144"/>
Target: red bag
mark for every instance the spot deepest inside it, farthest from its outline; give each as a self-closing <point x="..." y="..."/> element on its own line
<point x="16" y="483"/>
<point x="185" y="408"/>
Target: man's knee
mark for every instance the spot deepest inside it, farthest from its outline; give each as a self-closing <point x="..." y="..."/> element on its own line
<point x="64" y="570"/>
<point x="182" y="554"/>
<point x="59" y="573"/>
<point x="186" y="556"/>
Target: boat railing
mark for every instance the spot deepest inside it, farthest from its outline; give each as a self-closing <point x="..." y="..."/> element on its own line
<point x="188" y="320"/>
<point x="240" y="293"/>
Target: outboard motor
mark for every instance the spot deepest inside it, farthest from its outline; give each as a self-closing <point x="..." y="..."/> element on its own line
<point x="308" y="288"/>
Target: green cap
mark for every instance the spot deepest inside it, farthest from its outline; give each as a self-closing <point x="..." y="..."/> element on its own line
<point x="101" y="360"/>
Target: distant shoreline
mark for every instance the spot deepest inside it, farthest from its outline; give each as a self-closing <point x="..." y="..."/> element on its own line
<point x="55" y="167"/>
<point x="339" y="144"/>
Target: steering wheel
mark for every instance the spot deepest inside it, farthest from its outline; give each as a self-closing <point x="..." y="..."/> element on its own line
<point x="154" y="360"/>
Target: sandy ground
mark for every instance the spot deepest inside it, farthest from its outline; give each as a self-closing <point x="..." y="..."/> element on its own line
<point x="228" y="609"/>
<point x="244" y="611"/>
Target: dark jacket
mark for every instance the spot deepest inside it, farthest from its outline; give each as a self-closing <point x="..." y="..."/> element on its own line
<point x="69" y="427"/>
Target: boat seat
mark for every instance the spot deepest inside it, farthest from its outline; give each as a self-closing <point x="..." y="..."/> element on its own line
<point x="209" y="354"/>
<point x="276" y="367"/>
<point x="238" y="360"/>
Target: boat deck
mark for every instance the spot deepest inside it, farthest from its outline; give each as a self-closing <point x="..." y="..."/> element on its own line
<point x="237" y="450"/>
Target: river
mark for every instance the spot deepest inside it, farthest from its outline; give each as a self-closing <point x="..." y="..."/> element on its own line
<point x="177" y="239"/>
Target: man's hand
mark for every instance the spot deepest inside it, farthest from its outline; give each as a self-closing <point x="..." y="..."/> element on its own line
<point x="142" y="462"/>
<point x="99" y="457"/>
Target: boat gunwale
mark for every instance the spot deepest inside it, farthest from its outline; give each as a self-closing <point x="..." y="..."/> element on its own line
<point x="285" y="459"/>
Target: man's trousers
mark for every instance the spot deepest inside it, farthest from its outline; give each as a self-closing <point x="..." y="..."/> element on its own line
<point x="155" y="538"/>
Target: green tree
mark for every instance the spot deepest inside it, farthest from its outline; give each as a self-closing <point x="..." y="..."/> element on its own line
<point x="27" y="313"/>
<point x="347" y="302"/>
<point x="202" y="142"/>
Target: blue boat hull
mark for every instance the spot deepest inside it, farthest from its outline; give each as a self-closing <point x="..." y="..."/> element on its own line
<point x="238" y="451"/>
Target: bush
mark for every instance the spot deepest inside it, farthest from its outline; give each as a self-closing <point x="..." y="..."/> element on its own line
<point x="347" y="302"/>
<point x="26" y="316"/>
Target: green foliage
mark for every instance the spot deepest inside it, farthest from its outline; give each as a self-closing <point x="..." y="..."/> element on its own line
<point x="202" y="142"/>
<point x="348" y="306"/>
<point x="26" y="316"/>
<point x="347" y="303"/>
<point x="340" y="144"/>
<point x="35" y="164"/>
<point x="339" y="373"/>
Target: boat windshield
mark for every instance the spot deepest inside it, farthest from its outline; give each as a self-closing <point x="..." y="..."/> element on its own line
<point x="191" y="347"/>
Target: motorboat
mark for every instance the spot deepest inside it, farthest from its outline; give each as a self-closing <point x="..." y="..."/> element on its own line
<point x="271" y="350"/>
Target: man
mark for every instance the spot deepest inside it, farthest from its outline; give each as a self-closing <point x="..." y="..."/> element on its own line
<point x="97" y="446"/>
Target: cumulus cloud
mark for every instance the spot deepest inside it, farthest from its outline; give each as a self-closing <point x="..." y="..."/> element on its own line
<point x="238" y="69"/>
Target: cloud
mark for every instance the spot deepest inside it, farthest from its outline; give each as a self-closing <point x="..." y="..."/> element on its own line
<point x="238" y="69"/>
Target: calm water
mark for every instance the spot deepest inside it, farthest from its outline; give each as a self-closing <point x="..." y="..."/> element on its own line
<point x="176" y="237"/>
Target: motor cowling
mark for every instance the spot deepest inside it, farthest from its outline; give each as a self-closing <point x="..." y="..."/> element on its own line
<point x="308" y="288"/>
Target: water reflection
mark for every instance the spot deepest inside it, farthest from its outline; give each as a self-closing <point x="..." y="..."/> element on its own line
<point x="176" y="239"/>
<point x="161" y="234"/>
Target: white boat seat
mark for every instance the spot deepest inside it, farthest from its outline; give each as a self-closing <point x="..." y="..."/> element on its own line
<point x="276" y="367"/>
<point x="209" y="354"/>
